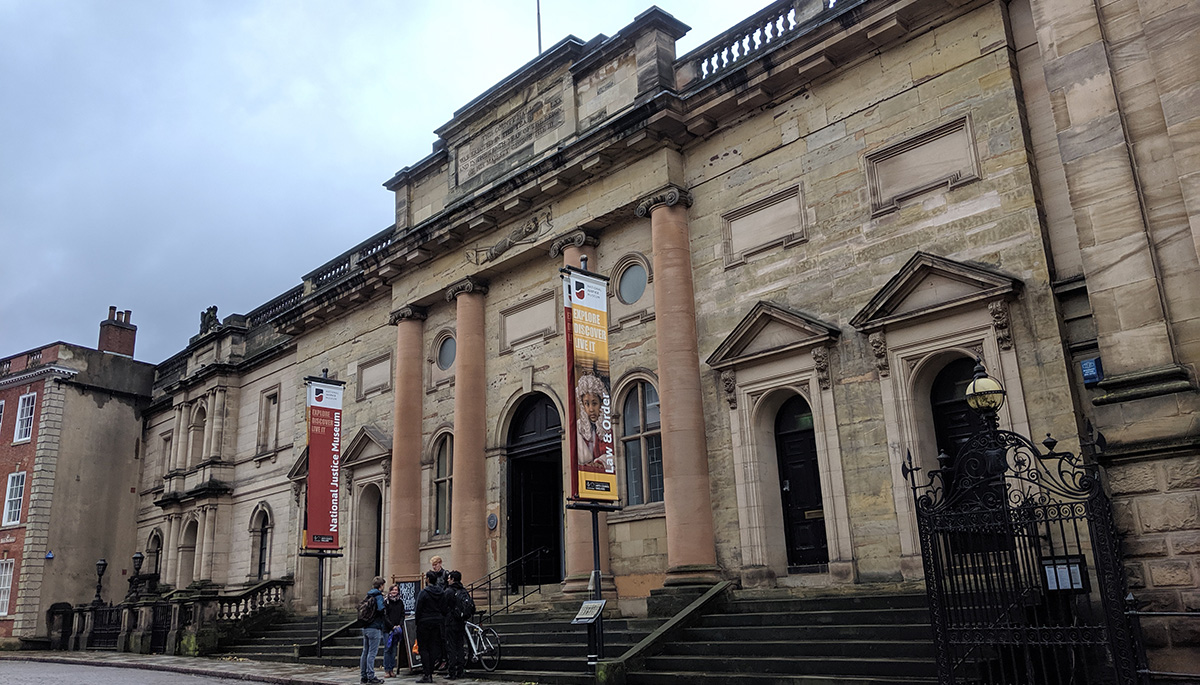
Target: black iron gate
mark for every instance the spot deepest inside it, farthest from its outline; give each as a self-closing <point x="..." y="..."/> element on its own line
<point x="1022" y="567"/>
<point x="160" y="627"/>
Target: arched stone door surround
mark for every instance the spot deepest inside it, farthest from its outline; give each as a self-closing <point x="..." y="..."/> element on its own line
<point x="534" y="487"/>
<point x="775" y="354"/>
<point x="933" y="311"/>
<point x="187" y="552"/>
<point x="368" y="536"/>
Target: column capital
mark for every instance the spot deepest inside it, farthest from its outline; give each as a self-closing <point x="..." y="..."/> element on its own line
<point x="469" y="284"/>
<point x="576" y="238"/>
<point x="666" y="196"/>
<point x="407" y="313"/>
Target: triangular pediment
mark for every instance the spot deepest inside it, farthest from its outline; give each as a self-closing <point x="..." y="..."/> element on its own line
<point x="369" y="444"/>
<point x="929" y="284"/>
<point x="770" y="330"/>
<point x="299" y="470"/>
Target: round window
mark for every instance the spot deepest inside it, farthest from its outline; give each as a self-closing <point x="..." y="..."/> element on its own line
<point x="632" y="283"/>
<point x="445" y="354"/>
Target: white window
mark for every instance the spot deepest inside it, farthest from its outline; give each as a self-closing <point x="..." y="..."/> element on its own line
<point x="25" y="417"/>
<point x="14" y="497"/>
<point x="6" y="574"/>
<point x="1" y="414"/>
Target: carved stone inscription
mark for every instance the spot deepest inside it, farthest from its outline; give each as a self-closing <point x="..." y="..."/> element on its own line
<point x="495" y="143"/>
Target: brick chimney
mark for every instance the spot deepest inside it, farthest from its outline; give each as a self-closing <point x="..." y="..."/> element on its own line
<point x="117" y="334"/>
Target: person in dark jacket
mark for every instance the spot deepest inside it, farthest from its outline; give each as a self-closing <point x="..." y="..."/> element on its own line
<point x="431" y="615"/>
<point x="455" y="628"/>
<point x="372" y="632"/>
<point x="443" y="575"/>
<point x="393" y="606"/>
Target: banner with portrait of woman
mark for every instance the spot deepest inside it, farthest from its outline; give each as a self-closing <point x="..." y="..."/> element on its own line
<point x="589" y="409"/>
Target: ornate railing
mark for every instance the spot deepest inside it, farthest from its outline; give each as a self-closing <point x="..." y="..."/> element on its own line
<point x="275" y="307"/>
<point x="248" y="602"/>
<point x="753" y="37"/>
<point x="379" y="243"/>
<point x="34" y="358"/>
<point x="160" y="627"/>
<point x="106" y="627"/>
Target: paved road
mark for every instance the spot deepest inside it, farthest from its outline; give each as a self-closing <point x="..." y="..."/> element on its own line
<point x="29" y="673"/>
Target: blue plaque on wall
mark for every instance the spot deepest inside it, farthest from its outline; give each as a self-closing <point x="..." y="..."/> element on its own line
<point x="1093" y="371"/>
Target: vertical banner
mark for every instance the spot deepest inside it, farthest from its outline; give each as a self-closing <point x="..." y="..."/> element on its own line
<point x="324" y="419"/>
<point x="589" y="413"/>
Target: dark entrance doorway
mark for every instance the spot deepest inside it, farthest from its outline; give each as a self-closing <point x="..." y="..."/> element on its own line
<point x="535" y="494"/>
<point x="953" y="421"/>
<point x="800" y="485"/>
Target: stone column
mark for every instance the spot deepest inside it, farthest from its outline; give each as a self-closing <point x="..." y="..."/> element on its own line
<point x="1123" y="280"/>
<point x="210" y="422"/>
<point x="468" y="527"/>
<point x="179" y="443"/>
<point x="578" y="533"/>
<point x="691" y="550"/>
<point x="404" y="505"/>
<point x="218" y="424"/>
<point x="201" y="540"/>
<point x="210" y="542"/>
<point x="170" y="551"/>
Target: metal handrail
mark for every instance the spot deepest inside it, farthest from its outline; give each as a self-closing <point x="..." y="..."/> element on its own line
<point x="498" y="581"/>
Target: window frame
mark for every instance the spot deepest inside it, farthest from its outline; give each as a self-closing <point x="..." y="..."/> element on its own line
<point x="22" y="405"/>
<point x="645" y="431"/>
<point x="268" y="419"/>
<point x="1" y="415"/>
<point x="7" y="571"/>
<point x="9" y="499"/>
<point x="438" y="481"/>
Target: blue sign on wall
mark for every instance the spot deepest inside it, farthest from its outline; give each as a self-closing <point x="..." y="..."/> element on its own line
<point x="1093" y="371"/>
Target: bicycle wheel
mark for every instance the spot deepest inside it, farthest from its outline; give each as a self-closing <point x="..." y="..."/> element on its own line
<point x="489" y="650"/>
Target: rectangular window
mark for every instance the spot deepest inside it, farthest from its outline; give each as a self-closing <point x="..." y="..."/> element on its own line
<point x="14" y="497"/>
<point x="6" y="574"/>
<point x="268" y="421"/>
<point x="1" y="415"/>
<point x="642" y="444"/>
<point x="24" y="429"/>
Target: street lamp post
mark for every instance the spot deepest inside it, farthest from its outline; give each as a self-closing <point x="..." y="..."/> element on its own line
<point x="135" y="583"/>
<point x="101" y="566"/>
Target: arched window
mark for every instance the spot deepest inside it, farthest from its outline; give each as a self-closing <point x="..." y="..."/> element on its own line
<point x="196" y="437"/>
<point x="443" y="473"/>
<point x="953" y="420"/>
<point x="641" y="445"/>
<point x="260" y="540"/>
<point x="154" y="553"/>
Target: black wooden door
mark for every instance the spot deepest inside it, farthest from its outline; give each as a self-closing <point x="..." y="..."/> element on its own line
<point x="535" y="493"/>
<point x="800" y="484"/>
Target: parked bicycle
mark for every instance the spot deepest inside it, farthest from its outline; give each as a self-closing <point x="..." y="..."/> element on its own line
<point x="483" y="646"/>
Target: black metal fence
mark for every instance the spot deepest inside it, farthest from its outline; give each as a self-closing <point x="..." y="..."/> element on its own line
<point x="1022" y="567"/>
<point x="106" y="628"/>
<point x="160" y="627"/>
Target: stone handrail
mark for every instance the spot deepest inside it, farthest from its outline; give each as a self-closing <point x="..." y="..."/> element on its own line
<point x="267" y="594"/>
<point x="376" y="245"/>
<point x="749" y="39"/>
<point x="275" y="307"/>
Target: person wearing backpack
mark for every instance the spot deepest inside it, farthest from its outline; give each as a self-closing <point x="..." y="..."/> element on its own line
<point x="462" y="608"/>
<point x="431" y="616"/>
<point x="373" y="620"/>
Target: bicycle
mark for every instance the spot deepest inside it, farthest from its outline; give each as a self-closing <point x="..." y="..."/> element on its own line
<point x="483" y="646"/>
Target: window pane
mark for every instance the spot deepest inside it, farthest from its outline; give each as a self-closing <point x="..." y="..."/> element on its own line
<point x="442" y="515"/>
<point x="24" y="429"/>
<point x="655" y="468"/>
<point x="651" y="405"/>
<point x="14" y="495"/>
<point x="631" y="418"/>
<point x="6" y="574"/>
<point x="633" y="470"/>
<point x="445" y="355"/>
<point x="632" y="283"/>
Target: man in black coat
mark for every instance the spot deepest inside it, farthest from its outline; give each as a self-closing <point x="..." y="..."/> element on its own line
<point x="455" y="628"/>
<point x="431" y="615"/>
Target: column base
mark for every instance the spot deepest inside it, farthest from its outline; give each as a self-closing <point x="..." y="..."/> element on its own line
<point x="757" y="577"/>
<point x="575" y="586"/>
<point x="705" y="575"/>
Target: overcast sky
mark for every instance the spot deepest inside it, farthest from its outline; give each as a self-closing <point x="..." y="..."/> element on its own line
<point x="164" y="156"/>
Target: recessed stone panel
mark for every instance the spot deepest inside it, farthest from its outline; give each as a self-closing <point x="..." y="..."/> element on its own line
<point x="944" y="156"/>
<point x="535" y="319"/>
<point x="774" y="221"/>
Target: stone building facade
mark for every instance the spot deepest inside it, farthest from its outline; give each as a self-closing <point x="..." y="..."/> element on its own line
<point x="70" y="418"/>
<point x="814" y="224"/>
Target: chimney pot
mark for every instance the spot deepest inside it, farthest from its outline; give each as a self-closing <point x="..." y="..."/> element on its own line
<point x="112" y="313"/>
<point x="128" y="315"/>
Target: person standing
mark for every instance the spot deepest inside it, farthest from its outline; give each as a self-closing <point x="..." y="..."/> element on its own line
<point x="443" y="576"/>
<point x="431" y="615"/>
<point x="375" y="625"/>
<point x="393" y="606"/>
<point x="455" y="626"/>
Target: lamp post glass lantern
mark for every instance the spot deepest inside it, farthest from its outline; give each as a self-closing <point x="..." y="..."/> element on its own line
<point x="984" y="393"/>
<point x="101" y="566"/>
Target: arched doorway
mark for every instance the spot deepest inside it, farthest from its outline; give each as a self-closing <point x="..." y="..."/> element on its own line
<point x="154" y="553"/>
<point x="954" y="422"/>
<point x="535" y="493"/>
<point x="800" y="485"/>
<point x="368" y="536"/>
<point x="187" y="554"/>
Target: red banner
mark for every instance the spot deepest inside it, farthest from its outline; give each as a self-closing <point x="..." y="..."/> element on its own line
<point x="589" y="410"/>
<point x="324" y="417"/>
